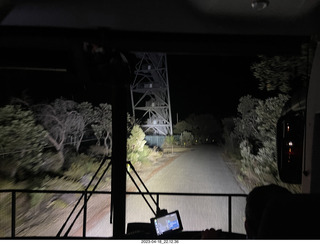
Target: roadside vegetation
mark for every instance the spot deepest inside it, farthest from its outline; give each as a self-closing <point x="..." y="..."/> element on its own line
<point x="57" y="146"/>
<point x="60" y="146"/>
<point x="198" y="129"/>
<point x="250" y="138"/>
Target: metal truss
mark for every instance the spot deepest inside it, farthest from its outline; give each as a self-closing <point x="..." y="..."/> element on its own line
<point x="150" y="95"/>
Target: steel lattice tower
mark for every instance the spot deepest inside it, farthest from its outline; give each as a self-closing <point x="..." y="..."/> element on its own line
<point x="150" y="95"/>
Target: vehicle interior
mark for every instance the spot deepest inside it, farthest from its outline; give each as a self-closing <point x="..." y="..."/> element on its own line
<point x="47" y="35"/>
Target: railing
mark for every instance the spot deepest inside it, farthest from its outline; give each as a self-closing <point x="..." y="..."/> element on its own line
<point x="86" y="195"/>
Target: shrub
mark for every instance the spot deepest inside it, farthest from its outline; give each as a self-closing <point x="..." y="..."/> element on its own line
<point x="169" y="141"/>
<point x="81" y="165"/>
<point x="51" y="162"/>
<point x="137" y="151"/>
<point x="22" y="141"/>
<point x="136" y="144"/>
<point x="258" y="145"/>
<point x="143" y="156"/>
<point x="186" y="138"/>
<point x="97" y="151"/>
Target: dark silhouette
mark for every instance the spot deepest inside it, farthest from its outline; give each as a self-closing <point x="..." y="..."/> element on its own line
<point x="294" y="217"/>
<point x="257" y="201"/>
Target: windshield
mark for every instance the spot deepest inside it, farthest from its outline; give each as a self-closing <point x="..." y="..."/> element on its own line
<point x="196" y="124"/>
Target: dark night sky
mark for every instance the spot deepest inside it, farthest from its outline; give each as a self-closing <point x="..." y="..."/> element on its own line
<point x="198" y="84"/>
<point x="209" y="84"/>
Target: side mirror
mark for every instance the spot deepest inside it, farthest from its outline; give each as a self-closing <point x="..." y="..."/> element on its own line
<point x="290" y="141"/>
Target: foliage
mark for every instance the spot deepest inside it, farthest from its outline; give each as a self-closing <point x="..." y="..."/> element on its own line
<point x="273" y="73"/>
<point x="186" y="138"/>
<point x="246" y="123"/>
<point x="153" y="154"/>
<point x="130" y="123"/>
<point x="230" y="140"/>
<point x="102" y="125"/>
<point x="268" y="113"/>
<point x="283" y="73"/>
<point x="21" y="141"/>
<point x="44" y="200"/>
<point x="137" y="150"/>
<point x="62" y="121"/>
<point x="51" y="162"/>
<point x="256" y="125"/>
<point x="135" y="144"/>
<point x="169" y="141"/>
<point x="61" y="183"/>
<point x="203" y="127"/>
<point x="81" y="165"/>
<point x="66" y="122"/>
<point x="258" y="146"/>
<point x="144" y="154"/>
<point x="96" y="151"/>
<point x="181" y="126"/>
<point x="86" y="112"/>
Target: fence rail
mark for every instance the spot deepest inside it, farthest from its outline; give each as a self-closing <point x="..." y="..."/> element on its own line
<point x="85" y="194"/>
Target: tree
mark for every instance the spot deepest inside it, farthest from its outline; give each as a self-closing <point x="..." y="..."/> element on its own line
<point x="22" y="141"/>
<point x="258" y="147"/>
<point x="102" y="126"/>
<point x="63" y="123"/>
<point x="186" y="138"/>
<point x="204" y="127"/>
<point x="182" y="126"/>
<point x="268" y="113"/>
<point x="86" y="111"/>
<point x="283" y="73"/>
<point x="255" y="127"/>
<point x="246" y="123"/>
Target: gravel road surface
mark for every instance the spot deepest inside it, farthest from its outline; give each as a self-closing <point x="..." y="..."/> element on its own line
<point x="201" y="170"/>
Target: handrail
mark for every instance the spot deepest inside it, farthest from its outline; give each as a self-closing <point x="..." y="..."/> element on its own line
<point x="85" y="199"/>
<point x="145" y="187"/>
<point x="190" y="194"/>
<point x="129" y="192"/>
<point x="86" y="193"/>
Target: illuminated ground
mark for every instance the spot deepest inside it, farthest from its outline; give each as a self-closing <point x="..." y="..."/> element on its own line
<point x="201" y="170"/>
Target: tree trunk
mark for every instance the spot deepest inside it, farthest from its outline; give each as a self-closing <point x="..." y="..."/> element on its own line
<point x="58" y="147"/>
<point x="79" y="142"/>
<point x="107" y="147"/>
<point x="106" y="144"/>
